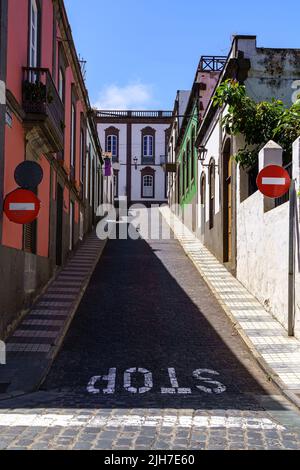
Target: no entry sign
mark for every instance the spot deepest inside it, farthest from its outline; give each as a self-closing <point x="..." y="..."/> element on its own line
<point x="21" y="206"/>
<point x="273" y="181"/>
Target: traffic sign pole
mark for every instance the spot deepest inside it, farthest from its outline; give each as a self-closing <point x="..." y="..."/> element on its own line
<point x="291" y="278"/>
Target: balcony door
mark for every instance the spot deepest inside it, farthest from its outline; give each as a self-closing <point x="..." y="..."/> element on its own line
<point x="33" y="28"/>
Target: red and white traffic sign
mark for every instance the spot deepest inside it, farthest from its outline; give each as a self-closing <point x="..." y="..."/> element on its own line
<point x="273" y="181"/>
<point x="22" y="206"/>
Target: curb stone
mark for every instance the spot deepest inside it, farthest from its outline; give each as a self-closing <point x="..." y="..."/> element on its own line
<point x="61" y="334"/>
<point x="266" y="368"/>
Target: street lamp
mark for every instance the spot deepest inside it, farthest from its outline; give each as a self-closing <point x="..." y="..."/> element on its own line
<point x="135" y="160"/>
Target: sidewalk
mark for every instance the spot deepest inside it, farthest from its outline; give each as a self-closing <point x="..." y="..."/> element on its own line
<point x="35" y="343"/>
<point x="278" y="354"/>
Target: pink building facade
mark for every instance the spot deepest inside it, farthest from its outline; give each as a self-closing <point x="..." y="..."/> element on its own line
<point x="45" y="118"/>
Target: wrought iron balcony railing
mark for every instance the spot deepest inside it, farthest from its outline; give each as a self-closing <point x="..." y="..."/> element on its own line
<point x="43" y="107"/>
<point x="212" y="63"/>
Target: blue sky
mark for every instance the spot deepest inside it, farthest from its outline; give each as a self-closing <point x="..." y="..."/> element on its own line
<point x="139" y="52"/>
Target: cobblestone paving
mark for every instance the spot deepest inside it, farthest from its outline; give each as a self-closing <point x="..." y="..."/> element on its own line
<point x="151" y="362"/>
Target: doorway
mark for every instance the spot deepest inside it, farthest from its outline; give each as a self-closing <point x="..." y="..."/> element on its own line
<point x="227" y="202"/>
<point x="59" y="223"/>
<point x="202" y="203"/>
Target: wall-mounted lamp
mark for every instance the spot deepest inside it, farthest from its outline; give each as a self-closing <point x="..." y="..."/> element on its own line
<point x="135" y="161"/>
<point x="202" y="153"/>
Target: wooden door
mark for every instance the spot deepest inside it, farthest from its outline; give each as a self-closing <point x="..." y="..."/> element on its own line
<point x="229" y="208"/>
<point x="227" y="203"/>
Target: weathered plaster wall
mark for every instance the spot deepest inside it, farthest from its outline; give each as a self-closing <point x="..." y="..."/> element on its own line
<point x="29" y="273"/>
<point x="262" y="253"/>
<point x="263" y="245"/>
<point x="274" y="73"/>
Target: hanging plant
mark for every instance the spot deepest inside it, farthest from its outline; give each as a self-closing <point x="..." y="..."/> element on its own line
<point x="257" y="122"/>
<point x="34" y="92"/>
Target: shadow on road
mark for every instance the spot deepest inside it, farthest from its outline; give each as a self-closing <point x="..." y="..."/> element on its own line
<point x="149" y="334"/>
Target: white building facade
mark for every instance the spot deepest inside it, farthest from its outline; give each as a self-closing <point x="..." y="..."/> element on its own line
<point x="137" y="142"/>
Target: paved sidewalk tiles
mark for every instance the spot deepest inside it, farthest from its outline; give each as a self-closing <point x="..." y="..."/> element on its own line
<point x="32" y="347"/>
<point x="277" y="353"/>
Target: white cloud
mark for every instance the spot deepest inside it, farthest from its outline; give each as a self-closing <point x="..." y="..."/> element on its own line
<point x="132" y="96"/>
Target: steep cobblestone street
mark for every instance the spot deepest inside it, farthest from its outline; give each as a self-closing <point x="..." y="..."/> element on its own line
<point x="151" y="361"/>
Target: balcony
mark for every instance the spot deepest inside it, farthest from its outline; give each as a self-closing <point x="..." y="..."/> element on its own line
<point x="212" y="63"/>
<point x="44" y="120"/>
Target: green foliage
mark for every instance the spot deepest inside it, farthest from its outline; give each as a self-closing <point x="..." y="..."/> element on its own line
<point x="257" y="122"/>
<point x="34" y="92"/>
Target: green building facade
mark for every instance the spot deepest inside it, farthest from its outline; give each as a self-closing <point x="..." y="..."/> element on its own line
<point x="187" y="153"/>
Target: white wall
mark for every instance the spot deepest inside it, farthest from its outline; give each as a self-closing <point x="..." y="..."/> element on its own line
<point x="263" y="251"/>
<point x="160" y="149"/>
<point x="121" y="166"/>
<point x="136" y="151"/>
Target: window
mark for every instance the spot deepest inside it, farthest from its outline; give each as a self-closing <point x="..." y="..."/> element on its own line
<point x="87" y="173"/>
<point x="116" y="184"/>
<point x="202" y="186"/>
<point x="73" y="135"/>
<point x="148" y="186"/>
<point x="202" y="201"/>
<point x="61" y="84"/>
<point x="30" y="237"/>
<point x="81" y="226"/>
<point x="193" y="154"/>
<point x="112" y="142"/>
<point x="211" y="193"/>
<point x="71" y="242"/>
<point x="179" y="184"/>
<point x="82" y="155"/>
<point x="33" y="52"/>
<point x="148" y="183"/>
<point x="112" y="145"/>
<point x="183" y="173"/>
<point x="148" y="146"/>
<point x="188" y="162"/>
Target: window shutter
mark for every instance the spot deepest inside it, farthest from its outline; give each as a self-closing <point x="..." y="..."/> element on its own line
<point x="30" y="237"/>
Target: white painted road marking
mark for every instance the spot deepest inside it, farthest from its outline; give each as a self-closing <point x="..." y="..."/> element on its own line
<point x="148" y="381"/>
<point x="220" y="388"/>
<point x="216" y="387"/>
<point x="110" y="379"/>
<point x="21" y="206"/>
<point x="278" y="181"/>
<point x="51" y="420"/>
<point x="174" y="383"/>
